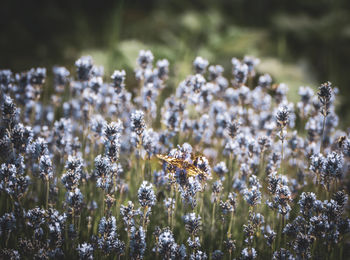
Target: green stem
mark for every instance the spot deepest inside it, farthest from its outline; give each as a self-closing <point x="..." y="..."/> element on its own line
<point x="213" y="217"/>
<point x="229" y="228"/>
<point x="47" y="193"/>
<point x="322" y="137"/>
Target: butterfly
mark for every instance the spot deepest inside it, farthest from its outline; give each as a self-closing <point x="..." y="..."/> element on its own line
<point x="190" y="168"/>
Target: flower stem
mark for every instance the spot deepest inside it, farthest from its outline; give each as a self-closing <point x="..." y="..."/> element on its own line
<point x="322" y="137"/>
<point x="47" y="193"/>
<point x="229" y="228"/>
<point x="213" y="217"/>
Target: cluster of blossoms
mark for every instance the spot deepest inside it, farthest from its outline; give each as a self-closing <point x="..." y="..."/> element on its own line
<point x="220" y="167"/>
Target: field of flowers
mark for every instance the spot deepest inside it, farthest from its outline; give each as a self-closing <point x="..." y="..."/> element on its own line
<point x="224" y="168"/>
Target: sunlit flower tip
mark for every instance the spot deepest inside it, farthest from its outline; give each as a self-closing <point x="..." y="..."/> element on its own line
<point x="200" y="65"/>
<point x="145" y="59"/>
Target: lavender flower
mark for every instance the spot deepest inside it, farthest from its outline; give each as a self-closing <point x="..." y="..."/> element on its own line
<point x="265" y="81"/>
<point x="61" y="75"/>
<point x="108" y="240"/>
<point x="6" y="79"/>
<point x="282" y="116"/>
<point x="45" y="167"/>
<point x="98" y="119"/>
<point x="74" y="199"/>
<point x="84" y="68"/>
<point x="283" y="254"/>
<point x="317" y="162"/>
<point x="146" y="195"/>
<point x="240" y="73"/>
<point x="233" y="129"/>
<point x="10" y="254"/>
<point x="252" y="196"/>
<point x="7" y="224"/>
<point x="197" y="82"/>
<point x="163" y="68"/>
<point x="220" y="169"/>
<point x="85" y="251"/>
<point x="307" y="202"/>
<point x="248" y="253"/>
<point x="198" y="255"/>
<point x="192" y="223"/>
<point x="128" y="213"/>
<point x="74" y="172"/>
<point x="200" y="65"/>
<point x="118" y="78"/>
<point x="325" y="93"/>
<point x="9" y="110"/>
<point x="302" y="245"/>
<point x="56" y="223"/>
<point x="332" y="166"/>
<point x="145" y="59"/>
<point x="138" y="124"/>
<point x="193" y="243"/>
<point x="269" y="235"/>
<point x="137" y="243"/>
<point x="103" y="172"/>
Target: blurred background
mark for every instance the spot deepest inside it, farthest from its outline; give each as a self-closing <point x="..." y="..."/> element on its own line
<point x="300" y="42"/>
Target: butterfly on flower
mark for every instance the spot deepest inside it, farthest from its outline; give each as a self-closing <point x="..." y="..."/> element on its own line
<point x="180" y="163"/>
